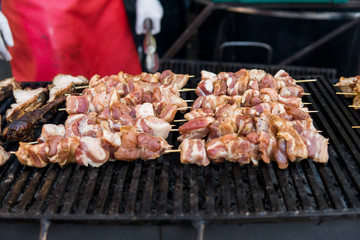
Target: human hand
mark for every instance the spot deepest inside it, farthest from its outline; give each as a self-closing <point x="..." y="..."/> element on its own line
<point x="7" y="38"/>
<point x="148" y="9"/>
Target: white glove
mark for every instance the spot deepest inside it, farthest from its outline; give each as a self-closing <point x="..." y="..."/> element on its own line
<point x="148" y="9"/>
<point x="6" y="36"/>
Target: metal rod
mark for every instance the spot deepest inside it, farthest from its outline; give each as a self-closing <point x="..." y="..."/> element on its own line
<point x="189" y="31"/>
<point x="200" y="229"/>
<point x="44" y="229"/>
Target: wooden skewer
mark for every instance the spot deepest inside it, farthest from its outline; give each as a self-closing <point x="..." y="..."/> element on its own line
<point x="307" y="94"/>
<point x="306" y="80"/>
<point x="181" y="120"/>
<point x="187" y="90"/>
<point x="81" y="87"/>
<point x="355" y="127"/>
<point x="174" y="130"/>
<point x="184" y="108"/>
<point x="306" y="103"/>
<point x="12" y="152"/>
<point x="173" y="151"/>
<point x="311" y="111"/>
<point x="346" y="93"/>
<point x="354" y="106"/>
<point x="191" y="76"/>
<point x="189" y="100"/>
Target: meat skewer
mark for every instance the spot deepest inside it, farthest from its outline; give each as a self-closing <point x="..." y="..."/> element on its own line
<point x="125" y="145"/>
<point x="227" y="83"/>
<point x="283" y="144"/>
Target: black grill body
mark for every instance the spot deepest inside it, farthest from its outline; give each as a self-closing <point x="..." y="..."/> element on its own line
<point x="163" y="191"/>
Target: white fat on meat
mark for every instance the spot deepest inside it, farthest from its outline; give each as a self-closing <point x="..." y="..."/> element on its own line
<point x="62" y="82"/>
<point x="90" y="152"/>
<point x="209" y="86"/>
<point x="111" y="138"/>
<point x="317" y="146"/>
<point x="156" y="126"/>
<point x="27" y="99"/>
<point x="256" y="75"/>
<point x="21" y="96"/>
<point x="51" y="130"/>
<point x="207" y="75"/>
<point x="144" y="110"/>
<point x="193" y="151"/>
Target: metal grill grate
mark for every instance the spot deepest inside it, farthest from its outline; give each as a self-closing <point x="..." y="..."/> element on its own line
<point x="165" y="190"/>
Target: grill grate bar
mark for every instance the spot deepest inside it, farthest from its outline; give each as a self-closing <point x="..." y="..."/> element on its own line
<point x="59" y="188"/>
<point x="178" y="204"/>
<point x="89" y="187"/>
<point x="9" y="176"/>
<point x="240" y="193"/>
<point x="288" y="193"/>
<point x="130" y="205"/>
<point x="269" y="186"/>
<point x="114" y="205"/>
<point x="163" y="188"/>
<point x="336" y="197"/>
<point x="104" y="189"/>
<point x="254" y="188"/>
<point x="301" y="187"/>
<point x="193" y="191"/>
<point x="209" y="191"/>
<point x="317" y="191"/>
<point x="225" y="194"/>
<point x="15" y="192"/>
<point x="30" y="190"/>
<point x="149" y="187"/>
<point x="44" y="190"/>
<point x="73" y="189"/>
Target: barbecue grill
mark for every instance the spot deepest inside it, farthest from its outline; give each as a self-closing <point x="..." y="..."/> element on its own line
<point x="164" y="191"/>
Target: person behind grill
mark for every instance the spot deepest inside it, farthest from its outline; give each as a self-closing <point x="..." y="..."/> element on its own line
<point x="75" y="37"/>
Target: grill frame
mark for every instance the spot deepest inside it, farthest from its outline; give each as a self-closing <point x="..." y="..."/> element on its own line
<point x="220" y="193"/>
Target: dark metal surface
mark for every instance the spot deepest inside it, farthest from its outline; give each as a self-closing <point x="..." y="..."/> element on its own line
<point x="164" y="190"/>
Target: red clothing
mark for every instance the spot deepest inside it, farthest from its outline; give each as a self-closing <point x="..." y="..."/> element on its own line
<point x="77" y="37"/>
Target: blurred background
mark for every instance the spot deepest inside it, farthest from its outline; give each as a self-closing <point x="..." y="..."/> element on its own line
<point x="285" y="36"/>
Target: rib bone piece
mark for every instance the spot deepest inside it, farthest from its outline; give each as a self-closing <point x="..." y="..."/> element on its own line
<point x="22" y="129"/>
<point x="26" y="100"/>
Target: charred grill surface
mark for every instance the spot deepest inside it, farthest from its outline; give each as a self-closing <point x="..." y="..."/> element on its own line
<point x="166" y="190"/>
